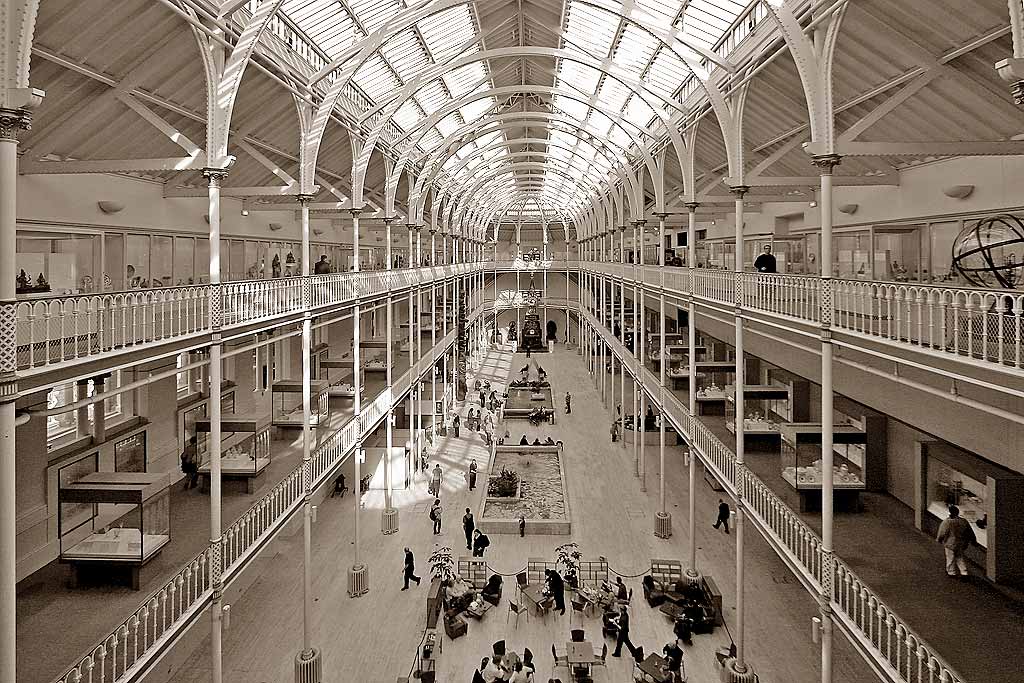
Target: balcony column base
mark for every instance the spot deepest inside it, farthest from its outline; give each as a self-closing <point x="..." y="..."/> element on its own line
<point x="308" y="667"/>
<point x="389" y="521"/>
<point x="358" y="581"/>
<point x="731" y="674"/>
<point x="663" y="525"/>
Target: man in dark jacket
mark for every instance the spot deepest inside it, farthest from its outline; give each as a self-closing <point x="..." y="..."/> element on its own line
<point x="468" y="525"/>
<point x="723" y="515"/>
<point x="765" y="263"/>
<point x="409" y="572"/>
<point x="480" y="543"/>
<point x="556" y="587"/>
<point x="623" y="634"/>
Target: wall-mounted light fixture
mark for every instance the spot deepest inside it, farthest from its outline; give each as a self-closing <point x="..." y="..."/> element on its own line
<point x="274" y="227"/>
<point x="848" y="209"/>
<point x="108" y="206"/>
<point x="958" y="191"/>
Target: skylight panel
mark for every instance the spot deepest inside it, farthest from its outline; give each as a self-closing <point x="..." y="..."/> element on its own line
<point x="408" y="115"/>
<point x="638" y="111"/>
<point x="591" y="29"/>
<point x="579" y="75"/>
<point x="405" y="55"/>
<point x="432" y="97"/>
<point x="376" y="79"/>
<point x="635" y="49"/>
<point x="430" y="140"/>
<point x="612" y="94"/>
<point x="447" y="125"/>
<point x="707" y="20"/>
<point x="445" y="31"/>
<point x="475" y="109"/>
<point x="373" y="13"/>
<point x="573" y="108"/>
<point x="463" y="80"/>
<point x="663" y="11"/>
<point x="667" y="73"/>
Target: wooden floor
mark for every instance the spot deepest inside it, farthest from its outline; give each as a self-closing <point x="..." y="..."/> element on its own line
<point x="374" y="638"/>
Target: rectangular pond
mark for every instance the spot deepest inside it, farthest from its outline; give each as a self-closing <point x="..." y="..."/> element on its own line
<point x="542" y="497"/>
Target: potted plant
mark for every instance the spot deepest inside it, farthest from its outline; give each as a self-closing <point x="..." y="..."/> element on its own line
<point x="505" y="485"/>
<point x="567" y="560"/>
<point x="442" y="566"/>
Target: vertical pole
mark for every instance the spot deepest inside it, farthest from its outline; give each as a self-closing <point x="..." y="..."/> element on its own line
<point x="691" y="383"/>
<point x="826" y="164"/>
<point x="622" y="318"/>
<point x="357" y="574"/>
<point x="389" y="521"/>
<point x="663" y="521"/>
<point x="640" y="345"/>
<point x="740" y="663"/>
<point x="307" y="652"/>
<point x="214" y="177"/>
<point x="12" y="123"/>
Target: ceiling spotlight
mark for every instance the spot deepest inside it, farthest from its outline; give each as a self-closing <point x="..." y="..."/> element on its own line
<point x="245" y="212"/>
<point x="814" y="204"/>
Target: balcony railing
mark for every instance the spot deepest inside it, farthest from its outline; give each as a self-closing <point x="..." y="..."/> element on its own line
<point x="56" y="330"/>
<point x="896" y="648"/>
<point x="162" y="615"/>
<point x="984" y="325"/>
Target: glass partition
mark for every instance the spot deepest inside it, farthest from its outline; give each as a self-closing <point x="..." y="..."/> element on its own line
<point x="161" y="267"/>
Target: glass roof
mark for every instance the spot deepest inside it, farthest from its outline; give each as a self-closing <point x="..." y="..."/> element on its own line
<point x="319" y="30"/>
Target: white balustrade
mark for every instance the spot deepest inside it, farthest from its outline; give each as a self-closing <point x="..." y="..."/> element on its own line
<point x="152" y="622"/>
<point x="165" y="611"/>
<point x="893" y="643"/>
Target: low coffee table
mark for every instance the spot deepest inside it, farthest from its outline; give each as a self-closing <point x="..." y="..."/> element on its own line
<point x="478" y="608"/>
<point x="671" y="610"/>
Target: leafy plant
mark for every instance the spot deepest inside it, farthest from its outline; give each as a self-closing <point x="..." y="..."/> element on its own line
<point x="567" y="559"/>
<point x="442" y="566"/>
<point x="505" y="485"/>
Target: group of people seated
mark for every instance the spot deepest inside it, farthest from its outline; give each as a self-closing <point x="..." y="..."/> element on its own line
<point x="506" y="667"/>
<point x="525" y="441"/>
<point x="538" y="415"/>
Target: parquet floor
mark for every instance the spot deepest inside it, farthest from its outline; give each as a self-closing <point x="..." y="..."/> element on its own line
<point x="374" y="637"/>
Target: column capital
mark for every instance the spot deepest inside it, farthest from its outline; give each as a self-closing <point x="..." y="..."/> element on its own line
<point x="639" y="223"/>
<point x="739" y="190"/>
<point x="355" y="212"/>
<point x="662" y="215"/>
<point x="304" y="198"/>
<point x="14" y="121"/>
<point x="692" y="206"/>
<point x="215" y="175"/>
<point x="826" y="162"/>
<point x="388" y="220"/>
<point x="622" y="228"/>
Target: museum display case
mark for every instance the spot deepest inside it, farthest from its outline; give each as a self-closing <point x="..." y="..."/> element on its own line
<point x="765" y="408"/>
<point x="113" y="517"/>
<point x="287" y="403"/>
<point x="245" y="444"/>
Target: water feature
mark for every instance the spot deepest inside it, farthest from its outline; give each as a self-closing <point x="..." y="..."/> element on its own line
<point x="542" y="498"/>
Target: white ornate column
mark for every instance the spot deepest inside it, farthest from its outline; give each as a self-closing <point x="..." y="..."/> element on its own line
<point x="826" y="164"/>
<point x="12" y="123"/>
<point x="663" y="519"/>
<point x="692" y="575"/>
<point x="214" y="177"/>
<point x="389" y="516"/>
<point x="358" y="573"/>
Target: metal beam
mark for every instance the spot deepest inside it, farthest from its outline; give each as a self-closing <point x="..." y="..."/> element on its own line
<point x="29" y="167"/>
<point x="813" y="181"/>
<point x="969" y="148"/>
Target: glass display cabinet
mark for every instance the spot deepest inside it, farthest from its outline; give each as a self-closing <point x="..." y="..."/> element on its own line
<point x="245" y="449"/>
<point x="711" y="380"/>
<point x="801" y="463"/>
<point x="338" y="374"/>
<point x="113" y="519"/>
<point x="988" y="496"/>
<point x="765" y="407"/>
<point x="287" y="403"/>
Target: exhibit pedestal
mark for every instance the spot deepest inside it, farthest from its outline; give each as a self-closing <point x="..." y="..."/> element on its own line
<point x="663" y="525"/>
<point x="731" y="675"/>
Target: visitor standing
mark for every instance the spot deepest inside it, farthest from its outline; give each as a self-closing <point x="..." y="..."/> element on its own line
<point x="190" y="464"/>
<point x="455" y="425"/>
<point x="435" y="481"/>
<point x="409" y="571"/>
<point x="765" y="262"/>
<point x="615" y="431"/>
<point x="723" y="515"/>
<point x="522" y="525"/>
<point x="468" y="525"/>
<point x="472" y="475"/>
<point x="568" y="403"/>
<point x="435" y="515"/>
<point x="323" y="266"/>
<point x="556" y="589"/>
<point x="956" y="535"/>
<point x="480" y="543"/>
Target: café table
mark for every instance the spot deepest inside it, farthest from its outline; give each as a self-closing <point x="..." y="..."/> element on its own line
<point x="651" y="669"/>
<point x="579" y="655"/>
<point x="535" y="594"/>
